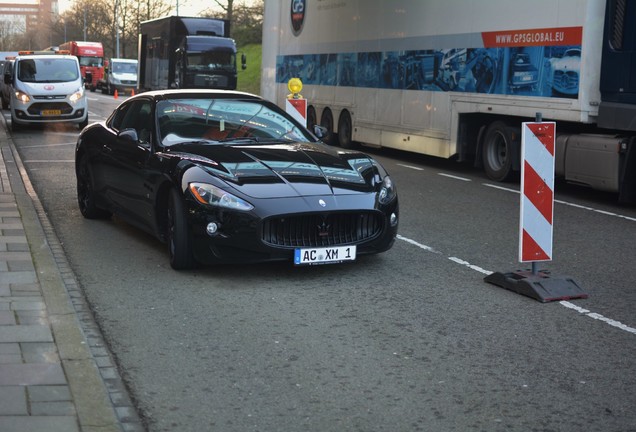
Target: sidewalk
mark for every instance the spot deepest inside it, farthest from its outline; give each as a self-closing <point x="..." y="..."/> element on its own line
<point x="56" y="372"/>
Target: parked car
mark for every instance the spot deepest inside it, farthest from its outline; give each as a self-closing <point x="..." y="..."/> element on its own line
<point x="5" y="87"/>
<point x="227" y="177"/>
<point x="566" y="71"/>
<point x="522" y="72"/>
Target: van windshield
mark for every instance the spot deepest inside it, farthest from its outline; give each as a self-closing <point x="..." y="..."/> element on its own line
<point x="47" y="70"/>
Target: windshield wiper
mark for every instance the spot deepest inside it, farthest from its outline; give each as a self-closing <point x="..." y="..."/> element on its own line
<point x="239" y="139"/>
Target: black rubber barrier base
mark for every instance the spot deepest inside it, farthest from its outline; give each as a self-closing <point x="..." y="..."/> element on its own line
<point x="539" y="286"/>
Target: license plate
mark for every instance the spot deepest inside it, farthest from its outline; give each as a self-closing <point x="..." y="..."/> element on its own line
<point x="329" y="255"/>
<point x="51" y="112"/>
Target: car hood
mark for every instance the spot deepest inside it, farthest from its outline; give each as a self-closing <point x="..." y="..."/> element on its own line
<point x="284" y="169"/>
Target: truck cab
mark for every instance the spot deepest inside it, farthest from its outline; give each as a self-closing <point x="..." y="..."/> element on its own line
<point x="187" y="52"/>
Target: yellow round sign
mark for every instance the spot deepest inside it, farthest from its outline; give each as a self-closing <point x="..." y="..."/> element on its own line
<point x="295" y="85"/>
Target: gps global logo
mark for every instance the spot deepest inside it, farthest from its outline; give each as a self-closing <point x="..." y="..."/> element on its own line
<point x="298" y="8"/>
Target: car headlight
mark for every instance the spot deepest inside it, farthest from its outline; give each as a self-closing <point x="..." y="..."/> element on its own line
<point x="77" y="95"/>
<point x="22" y="97"/>
<point x="387" y="192"/>
<point x="211" y="195"/>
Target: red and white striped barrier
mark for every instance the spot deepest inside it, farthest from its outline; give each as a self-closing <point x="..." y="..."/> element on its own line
<point x="297" y="108"/>
<point x="537" y="187"/>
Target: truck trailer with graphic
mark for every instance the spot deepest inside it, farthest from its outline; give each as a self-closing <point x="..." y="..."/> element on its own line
<point x="91" y="60"/>
<point x="186" y="52"/>
<point x="456" y="79"/>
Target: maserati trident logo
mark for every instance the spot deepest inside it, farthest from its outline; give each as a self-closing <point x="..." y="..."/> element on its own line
<point x="323" y="229"/>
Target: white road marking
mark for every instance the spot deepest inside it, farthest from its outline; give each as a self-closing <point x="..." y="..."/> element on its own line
<point x="411" y="167"/>
<point x="49" y="161"/>
<point x="579" y="206"/>
<point x="566" y="304"/>
<point x="454" y="177"/>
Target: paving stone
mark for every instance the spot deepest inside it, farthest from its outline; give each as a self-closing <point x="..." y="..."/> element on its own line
<point x="10" y="358"/>
<point x="7" y="317"/>
<point x="25" y="333"/>
<point x="40" y="352"/>
<point x="10" y="348"/>
<point x="38" y="424"/>
<point x="63" y="408"/>
<point x="31" y="374"/>
<point x="18" y="277"/>
<point x="13" y="401"/>
<point x="33" y="287"/>
<point x="32" y="317"/>
<point x="50" y="393"/>
<point x="28" y="305"/>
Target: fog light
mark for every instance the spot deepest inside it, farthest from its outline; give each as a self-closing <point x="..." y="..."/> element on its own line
<point x="394" y="219"/>
<point x="212" y="228"/>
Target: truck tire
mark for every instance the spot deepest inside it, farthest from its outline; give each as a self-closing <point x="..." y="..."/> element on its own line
<point x="326" y="120"/>
<point x="498" y="152"/>
<point x="344" y="130"/>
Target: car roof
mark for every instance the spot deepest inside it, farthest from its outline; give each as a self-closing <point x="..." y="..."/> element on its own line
<point x="195" y="93"/>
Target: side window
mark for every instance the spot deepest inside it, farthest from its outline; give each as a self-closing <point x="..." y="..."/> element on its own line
<point x="118" y="118"/>
<point x="136" y="115"/>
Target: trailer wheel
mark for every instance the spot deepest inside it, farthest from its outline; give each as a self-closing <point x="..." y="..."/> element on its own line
<point x="326" y="120"/>
<point x="344" y="130"/>
<point x="498" y="152"/>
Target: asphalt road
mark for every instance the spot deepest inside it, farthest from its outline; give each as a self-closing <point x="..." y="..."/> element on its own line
<point x="412" y="339"/>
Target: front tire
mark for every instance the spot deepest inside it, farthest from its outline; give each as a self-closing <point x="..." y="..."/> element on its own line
<point x="86" y="193"/>
<point x="497" y="152"/>
<point x="179" y="237"/>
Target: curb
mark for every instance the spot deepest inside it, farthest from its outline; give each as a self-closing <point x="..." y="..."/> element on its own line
<point x="98" y="392"/>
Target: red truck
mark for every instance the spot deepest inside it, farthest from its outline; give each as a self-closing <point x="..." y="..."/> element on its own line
<point x="91" y="60"/>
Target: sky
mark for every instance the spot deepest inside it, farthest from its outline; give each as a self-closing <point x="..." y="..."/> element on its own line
<point x="186" y="7"/>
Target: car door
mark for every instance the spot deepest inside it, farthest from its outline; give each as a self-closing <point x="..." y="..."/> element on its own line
<point x="125" y="164"/>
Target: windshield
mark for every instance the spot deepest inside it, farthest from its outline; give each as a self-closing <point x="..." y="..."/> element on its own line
<point x="91" y="61"/>
<point x="223" y="120"/>
<point x="211" y="59"/>
<point x="47" y="70"/>
<point x="124" y="68"/>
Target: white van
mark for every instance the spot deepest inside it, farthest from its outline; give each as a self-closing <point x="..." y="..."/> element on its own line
<point x="46" y="88"/>
<point x="120" y="75"/>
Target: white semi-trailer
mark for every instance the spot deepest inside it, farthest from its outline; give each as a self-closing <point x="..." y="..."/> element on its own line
<point x="456" y="78"/>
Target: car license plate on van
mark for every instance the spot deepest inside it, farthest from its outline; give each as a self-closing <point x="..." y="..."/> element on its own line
<point x="328" y="255"/>
<point x="51" y="112"/>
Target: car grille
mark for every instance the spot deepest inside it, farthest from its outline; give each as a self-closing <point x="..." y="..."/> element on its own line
<point x="317" y="230"/>
<point x="567" y="80"/>
<point x="37" y="108"/>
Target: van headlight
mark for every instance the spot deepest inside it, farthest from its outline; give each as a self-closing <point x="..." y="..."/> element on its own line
<point x="75" y="97"/>
<point x="22" y="96"/>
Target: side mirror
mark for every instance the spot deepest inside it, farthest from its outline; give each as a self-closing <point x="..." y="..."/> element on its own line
<point x="129" y="134"/>
<point x="321" y="131"/>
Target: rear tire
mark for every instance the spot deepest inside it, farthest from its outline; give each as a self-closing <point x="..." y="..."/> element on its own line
<point x="178" y="235"/>
<point x="345" y="130"/>
<point x="326" y="120"/>
<point x="86" y="193"/>
<point x="497" y="152"/>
